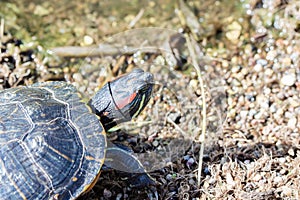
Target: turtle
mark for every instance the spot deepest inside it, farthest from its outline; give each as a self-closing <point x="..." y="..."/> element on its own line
<point x="53" y="143"/>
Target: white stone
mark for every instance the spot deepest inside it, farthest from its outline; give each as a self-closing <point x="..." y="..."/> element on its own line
<point x="288" y="79"/>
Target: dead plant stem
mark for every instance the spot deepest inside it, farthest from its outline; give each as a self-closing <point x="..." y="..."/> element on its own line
<point x="203" y="131"/>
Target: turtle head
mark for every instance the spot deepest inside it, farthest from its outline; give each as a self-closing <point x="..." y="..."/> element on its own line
<point x="123" y="98"/>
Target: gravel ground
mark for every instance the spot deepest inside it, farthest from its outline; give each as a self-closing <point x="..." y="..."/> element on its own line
<point x="249" y="57"/>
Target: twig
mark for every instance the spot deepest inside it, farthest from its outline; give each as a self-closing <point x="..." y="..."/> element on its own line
<point x="203" y="132"/>
<point x="1" y="29"/>
<point x="100" y="50"/>
<point x="136" y="19"/>
<point x="176" y="126"/>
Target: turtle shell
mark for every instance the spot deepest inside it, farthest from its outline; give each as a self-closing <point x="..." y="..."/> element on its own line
<point x="50" y="137"/>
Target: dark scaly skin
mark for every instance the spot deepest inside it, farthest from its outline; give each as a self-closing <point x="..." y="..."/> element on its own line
<point x="51" y="145"/>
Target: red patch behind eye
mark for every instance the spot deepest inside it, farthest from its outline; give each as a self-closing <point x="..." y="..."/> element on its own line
<point x="123" y="102"/>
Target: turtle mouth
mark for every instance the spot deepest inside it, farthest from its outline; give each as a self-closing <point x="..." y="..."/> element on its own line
<point x="141" y="101"/>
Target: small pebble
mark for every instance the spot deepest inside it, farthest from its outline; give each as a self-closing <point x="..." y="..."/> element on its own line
<point x="264" y="105"/>
<point x="169" y="177"/>
<point x="234" y="31"/>
<point x="236" y="69"/>
<point x="245" y="71"/>
<point x="248" y="49"/>
<point x="206" y="170"/>
<point x="267" y="91"/>
<point x="269" y="72"/>
<point x="287" y="191"/>
<point x="262" y="62"/>
<point x="258" y="67"/>
<point x="283" y="171"/>
<point x="107" y="193"/>
<point x="252" y="112"/>
<point x="190" y="162"/>
<point x="271" y="55"/>
<point x="243" y="114"/>
<point x="247" y="162"/>
<point x="119" y="196"/>
<point x="286" y="61"/>
<point x="191" y="181"/>
<point x="288" y="80"/>
<point x="194" y="84"/>
<point x="282" y="160"/>
<point x="230" y="181"/>
<point x="292" y="123"/>
<point x="273" y="108"/>
<point x="88" y="40"/>
<point x="223" y="160"/>
<point x="294" y="102"/>
<point x="225" y="63"/>
<point x="291" y="152"/>
<point x="211" y="180"/>
<point x="155" y="143"/>
<point x="288" y="114"/>
<point x="186" y="157"/>
<point x="206" y="184"/>
<point x="257" y="177"/>
<point x="175" y="117"/>
<point x="278" y="179"/>
<point x="77" y="77"/>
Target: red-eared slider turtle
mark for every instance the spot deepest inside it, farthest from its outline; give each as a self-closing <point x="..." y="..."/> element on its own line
<point x="53" y="145"/>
